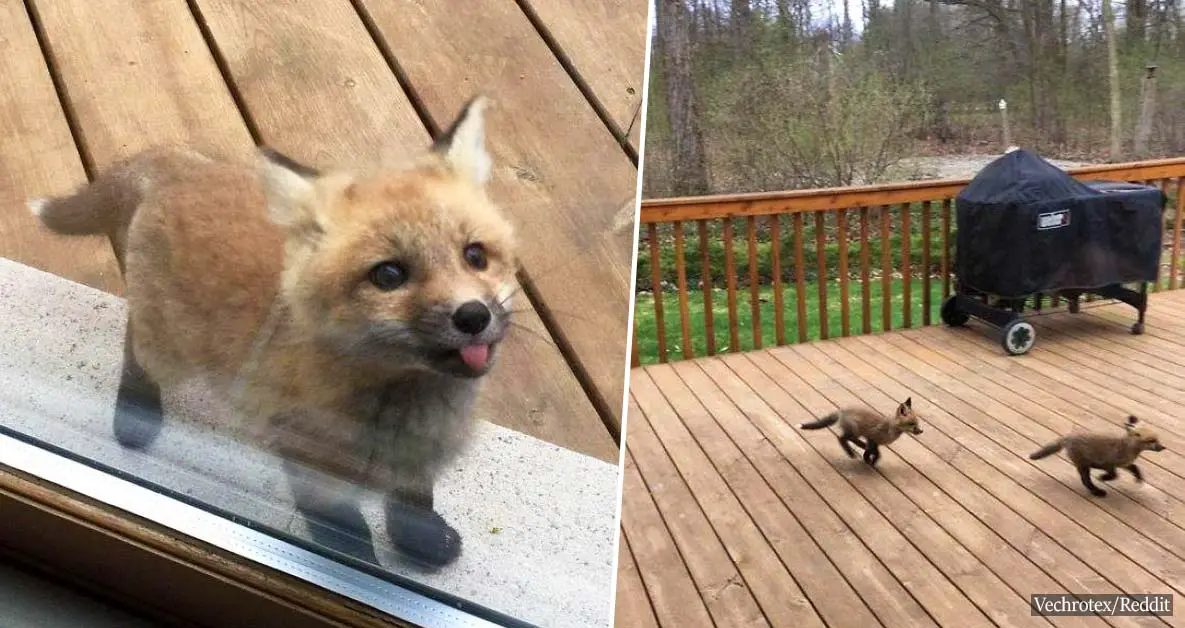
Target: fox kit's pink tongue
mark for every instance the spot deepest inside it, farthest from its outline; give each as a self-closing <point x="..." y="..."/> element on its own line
<point x="475" y="356"/>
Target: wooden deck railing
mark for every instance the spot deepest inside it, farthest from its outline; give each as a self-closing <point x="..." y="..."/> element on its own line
<point x="888" y="239"/>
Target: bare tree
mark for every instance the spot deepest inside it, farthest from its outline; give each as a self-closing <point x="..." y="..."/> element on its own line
<point x="690" y="172"/>
<point x="1112" y="77"/>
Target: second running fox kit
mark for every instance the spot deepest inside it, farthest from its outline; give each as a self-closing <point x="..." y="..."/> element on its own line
<point x="1105" y="452"/>
<point x="347" y="316"/>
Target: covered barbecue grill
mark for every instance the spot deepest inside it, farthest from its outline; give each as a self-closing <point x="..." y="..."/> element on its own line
<point x="1028" y="229"/>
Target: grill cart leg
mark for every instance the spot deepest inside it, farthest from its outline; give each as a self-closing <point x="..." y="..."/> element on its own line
<point x="1138" y="328"/>
<point x="1136" y="299"/>
<point x="951" y="313"/>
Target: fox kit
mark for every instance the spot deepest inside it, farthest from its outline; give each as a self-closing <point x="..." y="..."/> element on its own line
<point x="867" y="429"/>
<point x="348" y="316"/>
<point x="1105" y="452"/>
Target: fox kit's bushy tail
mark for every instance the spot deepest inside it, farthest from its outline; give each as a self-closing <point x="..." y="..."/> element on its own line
<point x="826" y="421"/>
<point x="103" y="206"/>
<point x="1048" y="450"/>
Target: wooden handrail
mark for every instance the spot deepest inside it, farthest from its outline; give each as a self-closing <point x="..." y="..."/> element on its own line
<point x="896" y="240"/>
<point x="659" y="210"/>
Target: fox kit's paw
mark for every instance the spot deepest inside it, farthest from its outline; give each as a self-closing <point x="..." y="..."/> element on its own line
<point x="138" y="419"/>
<point x="422" y="535"/>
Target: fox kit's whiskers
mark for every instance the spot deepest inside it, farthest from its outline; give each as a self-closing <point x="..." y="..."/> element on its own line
<point x="534" y="333"/>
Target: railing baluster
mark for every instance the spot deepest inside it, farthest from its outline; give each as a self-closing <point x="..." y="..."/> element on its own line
<point x="681" y="279"/>
<point x="906" y="267"/>
<point x="754" y="282"/>
<point x="706" y="280"/>
<point x="775" y="235"/>
<point x="886" y="272"/>
<point x="1167" y="175"/>
<point x="841" y="230"/>
<point x="926" y="263"/>
<point x="821" y="260"/>
<point x="1177" y="215"/>
<point x="946" y="269"/>
<point x="656" y="286"/>
<point x="799" y="277"/>
<point x="635" y="360"/>
<point x="730" y="276"/>
<point x="1163" y="212"/>
<point x="865" y="282"/>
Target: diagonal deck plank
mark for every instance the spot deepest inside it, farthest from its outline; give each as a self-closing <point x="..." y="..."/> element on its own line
<point x="605" y="44"/>
<point x="633" y="608"/>
<point x="315" y="85"/>
<point x="687" y="581"/>
<point x="934" y="525"/>
<point x="1022" y="435"/>
<point x="1042" y="478"/>
<point x="762" y="399"/>
<point x="560" y="170"/>
<point x="38" y="157"/>
<point x="960" y="519"/>
<point x="159" y="82"/>
<point x="892" y="604"/>
<point x="731" y="489"/>
<point x="1052" y="404"/>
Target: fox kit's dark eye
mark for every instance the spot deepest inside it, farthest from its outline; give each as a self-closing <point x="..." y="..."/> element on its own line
<point x="475" y="256"/>
<point x="387" y="276"/>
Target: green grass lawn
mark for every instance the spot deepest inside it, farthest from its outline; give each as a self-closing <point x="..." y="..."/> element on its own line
<point x="647" y="335"/>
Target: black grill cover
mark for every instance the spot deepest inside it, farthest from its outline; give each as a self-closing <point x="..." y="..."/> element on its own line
<point x="1025" y="226"/>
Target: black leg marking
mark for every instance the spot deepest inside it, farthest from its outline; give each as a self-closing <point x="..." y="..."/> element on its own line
<point x="843" y="442"/>
<point x="1135" y="471"/>
<point x="1109" y="475"/>
<point x="1084" y="473"/>
<point x="859" y="442"/>
<point x="139" y="413"/>
<point x="872" y="453"/>
<point x="418" y="531"/>
<point x="334" y="517"/>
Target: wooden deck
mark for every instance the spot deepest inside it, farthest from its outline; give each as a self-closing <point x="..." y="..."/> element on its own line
<point x="734" y="517"/>
<point x="84" y="83"/>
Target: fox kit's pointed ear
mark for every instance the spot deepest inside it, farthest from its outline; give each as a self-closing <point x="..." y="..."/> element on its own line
<point x="463" y="144"/>
<point x="909" y="402"/>
<point x="291" y="190"/>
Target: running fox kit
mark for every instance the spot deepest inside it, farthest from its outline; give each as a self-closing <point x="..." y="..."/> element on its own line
<point x="1105" y="452"/>
<point x="869" y="430"/>
<point x="348" y="316"/>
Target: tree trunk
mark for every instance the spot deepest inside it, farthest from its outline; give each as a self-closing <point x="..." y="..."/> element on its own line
<point x="1113" y="78"/>
<point x="690" y="174"/>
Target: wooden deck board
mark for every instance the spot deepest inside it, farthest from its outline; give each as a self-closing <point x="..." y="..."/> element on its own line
<point x="719" y="573"/>
<point x="632" y="609"/>
<point x="309" y="79"/>
<point x="605" y="42"/>
<point x="884" y="595"/>
<point x="558" y="169"/>
<point x="723" y="480"/>
<point x="757" y="395"/>
<point x="958" y="519"/>
<point x="38" y="158"/>
<point x="144" y="79"/>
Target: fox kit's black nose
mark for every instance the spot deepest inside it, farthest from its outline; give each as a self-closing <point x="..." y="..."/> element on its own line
<point x="472" y="317"/>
